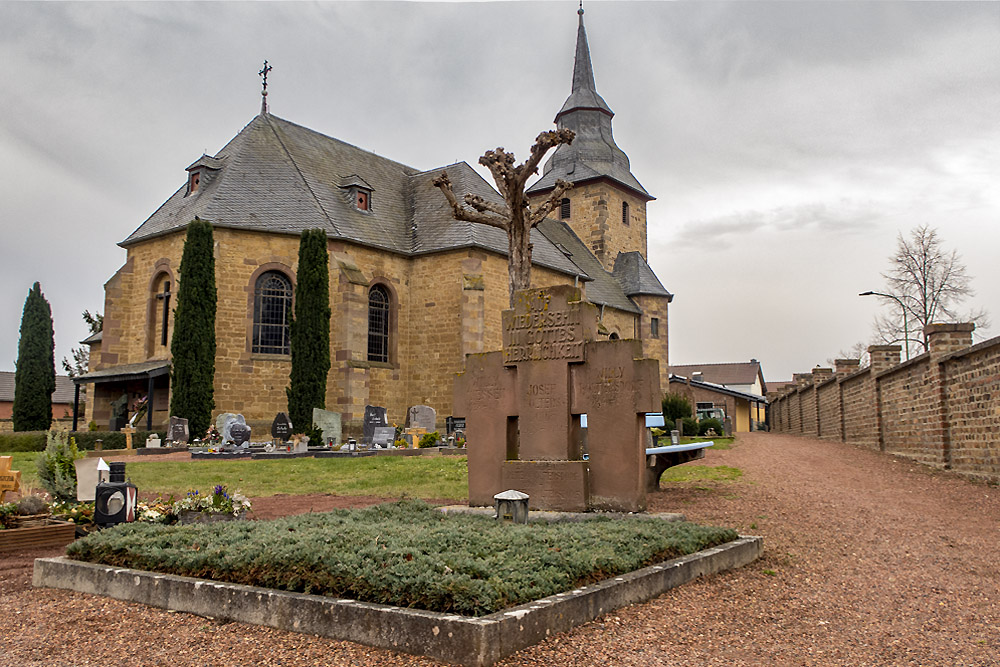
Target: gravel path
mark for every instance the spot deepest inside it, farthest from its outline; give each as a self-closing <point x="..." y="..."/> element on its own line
<point x="869" y="560"/>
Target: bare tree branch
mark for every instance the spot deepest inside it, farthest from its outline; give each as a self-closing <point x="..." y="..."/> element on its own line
<point x="550" y="204"/>
<point x="443" y="183"/>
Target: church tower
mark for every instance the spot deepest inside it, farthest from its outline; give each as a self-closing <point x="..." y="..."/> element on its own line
<point x="607" y="206"/>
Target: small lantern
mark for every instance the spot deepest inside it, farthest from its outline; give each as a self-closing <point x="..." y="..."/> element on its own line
<point x="511" y="506"/>
<point x="115" y="500"/>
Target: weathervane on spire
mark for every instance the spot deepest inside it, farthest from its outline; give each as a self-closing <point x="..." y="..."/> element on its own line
<point x="263" y="92"/>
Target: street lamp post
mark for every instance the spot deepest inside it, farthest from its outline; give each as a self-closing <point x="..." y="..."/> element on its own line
<point x="906" y="329"/>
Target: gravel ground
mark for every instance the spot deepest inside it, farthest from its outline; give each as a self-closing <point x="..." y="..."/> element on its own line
<point x="869" y="560"/>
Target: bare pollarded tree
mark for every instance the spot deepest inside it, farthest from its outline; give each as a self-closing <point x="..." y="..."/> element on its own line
<point x="516" y="216"/>
<point x="929" y="282"/>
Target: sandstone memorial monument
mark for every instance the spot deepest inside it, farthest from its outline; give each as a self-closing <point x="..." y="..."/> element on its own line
<point x="523" y="407"/>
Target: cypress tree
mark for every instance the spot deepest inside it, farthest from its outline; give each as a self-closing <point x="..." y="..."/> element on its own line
<point x="310" y="333"/>
<point x="35" y="378"/>
<point x="193" y="344"/>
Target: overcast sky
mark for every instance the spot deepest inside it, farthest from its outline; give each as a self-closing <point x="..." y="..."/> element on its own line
<point x="787" y="144"/>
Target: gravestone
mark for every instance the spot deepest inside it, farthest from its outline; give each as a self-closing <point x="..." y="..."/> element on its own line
<point x="224" y="424"/>
<point x="523" y="408"/>
<point x="421" y="416"/>
<point x="454" y="425"/>
<point x="281" y="427"/>
<point x="240" y="434"/>
<point x="153" y="441"/>
<point x="178" y="430"/>
<point x="384" y="436"/>
<point x="10" y="480"/>
<point x="374" y="416"/>
<point x="89" y="473"/>
<point x="327" y="422"/>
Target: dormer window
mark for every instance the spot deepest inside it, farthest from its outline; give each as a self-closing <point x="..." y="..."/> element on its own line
<point x="201" y="172"/>
<point x="358" y="191"/>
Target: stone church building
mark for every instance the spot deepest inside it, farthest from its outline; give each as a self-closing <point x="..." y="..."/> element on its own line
<point x="412" y="290"/>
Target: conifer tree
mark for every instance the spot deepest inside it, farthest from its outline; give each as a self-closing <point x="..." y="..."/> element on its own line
<point x="35" y="378"/>
<point x="310" y="334"/>
<point x="193" y="343"/>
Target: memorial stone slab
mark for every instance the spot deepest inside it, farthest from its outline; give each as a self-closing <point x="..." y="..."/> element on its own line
<point x="384" y="436"/>
<point x="327" y="422"/>
<point x="422" y="416"/>
<point x="178" y="430"/>
<point x="374" y="416"/>
<point x="281" y="427"/>
<point x="523" y="408"/>
<point x="240" y="434"/>
<point x="224" y="424"/>
<point x="153" y="441"/>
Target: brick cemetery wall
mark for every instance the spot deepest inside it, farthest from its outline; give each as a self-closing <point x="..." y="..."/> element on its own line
<point x="941" y="408"/>
<point x="807" y="401"/>
<point x="828" y="397"/>
<point x="972" y="395"/>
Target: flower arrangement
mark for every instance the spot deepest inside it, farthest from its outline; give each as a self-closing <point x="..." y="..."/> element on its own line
<point x="212" y="437"/>
<point x="220" y="501"/>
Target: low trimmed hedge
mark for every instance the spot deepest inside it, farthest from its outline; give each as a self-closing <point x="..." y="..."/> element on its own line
<point x="34" y="441"/>
<point x="405" y="554"/>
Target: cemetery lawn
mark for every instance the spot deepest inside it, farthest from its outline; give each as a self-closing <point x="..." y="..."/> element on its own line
<point x="690" y="473"/>
<point x="386" y="477"/>
<point x="404" y="553"/>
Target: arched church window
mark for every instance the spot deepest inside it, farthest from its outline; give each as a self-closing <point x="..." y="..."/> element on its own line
<point x="272" y="309"/>
<point x="378" y="323"/>
<point x="564" y="209"/>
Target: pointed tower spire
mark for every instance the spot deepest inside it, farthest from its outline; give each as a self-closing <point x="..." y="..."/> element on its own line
<point x="594" y="153"/>
<point x="584" y="93"/>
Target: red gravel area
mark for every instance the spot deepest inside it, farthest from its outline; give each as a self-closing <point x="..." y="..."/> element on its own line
<point x="869" y="560"/>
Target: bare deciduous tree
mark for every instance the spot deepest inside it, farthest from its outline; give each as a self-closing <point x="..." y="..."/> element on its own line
<point x="930" y="283"/>
<point x="516" y="216"/>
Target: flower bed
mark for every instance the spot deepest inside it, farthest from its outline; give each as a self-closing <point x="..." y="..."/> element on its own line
<point x="49" y="533"/>
<point x="405" y="554"/>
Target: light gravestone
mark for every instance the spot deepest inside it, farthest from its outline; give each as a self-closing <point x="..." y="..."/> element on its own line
<point x="281" y="427"/>
<point x="178" y="430"/>
<point x="329" y="423"/>
<point x="422" y="416"/>
<point x="89" y="473"/>
<point x="383" y="436"/>
<point x="523" y="407"/>
<point x="374" y="416"/>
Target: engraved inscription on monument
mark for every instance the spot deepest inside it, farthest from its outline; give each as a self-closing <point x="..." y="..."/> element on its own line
<point x="538" y="330"/>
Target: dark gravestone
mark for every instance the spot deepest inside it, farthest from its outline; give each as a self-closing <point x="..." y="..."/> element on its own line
<point x="384" y="436"/>
<point x="374" y="416"/>
<point x="178" y="430"/>
<point x="281" y="427"/>
<point x="454" y="424"/>
<point x="240" y="434"/>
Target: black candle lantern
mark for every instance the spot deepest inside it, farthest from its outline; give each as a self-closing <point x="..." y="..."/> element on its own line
<point x="115" y="500"/>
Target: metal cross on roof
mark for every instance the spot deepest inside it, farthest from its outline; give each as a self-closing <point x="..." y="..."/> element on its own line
<point x="263" y="93"/>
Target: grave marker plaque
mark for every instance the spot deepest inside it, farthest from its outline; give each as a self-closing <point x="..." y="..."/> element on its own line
<point x="178" y="431"/>
<point x="281" y="427"/>
<point x="374" y="416"/>
<point x="327" y="422"/>
<point x="421" y="416"/>
<point x="384" y="435"/>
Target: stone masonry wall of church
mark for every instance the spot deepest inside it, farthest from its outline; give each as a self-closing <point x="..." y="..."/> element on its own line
<point x="441" y="310"/>
<point x="596" y="217"/>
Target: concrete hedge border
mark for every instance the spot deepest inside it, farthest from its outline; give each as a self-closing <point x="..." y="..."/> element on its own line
<point x="473" y="641"/>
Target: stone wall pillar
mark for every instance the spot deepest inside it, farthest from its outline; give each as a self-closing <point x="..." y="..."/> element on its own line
<point x="819" y="376"/>
<point x="844" y="367"/>
<point x="942" y="340"/>
<point x="883" y="357"/>
<point x="348" y="383"/>
<point x="473" y="307"/>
